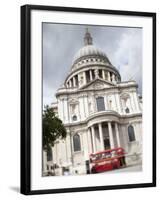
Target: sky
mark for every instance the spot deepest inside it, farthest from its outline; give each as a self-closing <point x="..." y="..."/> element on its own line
<point x="61" y="42"/>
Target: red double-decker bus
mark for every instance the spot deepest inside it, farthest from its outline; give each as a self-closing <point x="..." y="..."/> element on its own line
<point x="107" y="160"/>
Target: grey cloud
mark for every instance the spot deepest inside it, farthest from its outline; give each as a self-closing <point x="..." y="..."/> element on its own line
<point x="123" y="47"/>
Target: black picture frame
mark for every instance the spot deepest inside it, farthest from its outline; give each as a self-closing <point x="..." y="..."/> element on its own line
<point x="26" y="98"/>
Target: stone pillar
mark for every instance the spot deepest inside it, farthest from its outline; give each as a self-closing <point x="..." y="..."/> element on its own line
<point x="117" y="135"/>
<point x="74" y="82"/>
<point x="66" y="151"/>
<point x="93" y="139"/>
<point x="103" y="74"/>
<point x="89" y="141"/>
<point x="110" y="135"/>
<point x="133" y="102"/>
<point x="101" y="136"/>
<point x="113" y="78"/>
<point x="135" y="96"/>
<point x="44" y="159"/>
<point x="68" y="148"/>
<point x="70" y="83"/>
<point x="65" y="109"/>
<point x="130" y="103"/>
<point x="96" y="73"/>
<point x="109" y="77"/>
<point x="86" y="105"/>
<point x="90" y="73"/>
<point x="84" y="77"/>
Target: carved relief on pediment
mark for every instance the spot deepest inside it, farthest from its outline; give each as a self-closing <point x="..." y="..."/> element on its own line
<point x="98" y="85"/>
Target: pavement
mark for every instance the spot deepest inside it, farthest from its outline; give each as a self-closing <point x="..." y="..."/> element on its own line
<point x="131" y="168"/>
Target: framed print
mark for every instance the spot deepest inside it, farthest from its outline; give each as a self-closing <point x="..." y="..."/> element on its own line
<point x="88" y="99"/>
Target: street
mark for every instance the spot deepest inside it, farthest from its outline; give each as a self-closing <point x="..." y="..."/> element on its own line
<point x="133" y="168"/>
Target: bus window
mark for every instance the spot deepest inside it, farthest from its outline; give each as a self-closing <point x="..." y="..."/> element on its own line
<point x="98" y="156"/>
<point x="103" y="156"/>
<point x="114" y="153"/>
<point x="107" y="154"/>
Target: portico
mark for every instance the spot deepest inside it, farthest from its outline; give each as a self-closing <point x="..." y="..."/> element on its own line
<point x="107" y="138"/>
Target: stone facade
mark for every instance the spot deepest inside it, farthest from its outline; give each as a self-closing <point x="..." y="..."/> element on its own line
<point x="99" y="112"/>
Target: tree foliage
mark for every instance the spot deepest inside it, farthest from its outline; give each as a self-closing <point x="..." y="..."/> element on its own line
<point x="53" y="128"/>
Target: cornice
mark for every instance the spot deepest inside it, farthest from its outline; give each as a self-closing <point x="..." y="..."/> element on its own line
<point x="112" y="114"/>
<point x="118" y="87"/>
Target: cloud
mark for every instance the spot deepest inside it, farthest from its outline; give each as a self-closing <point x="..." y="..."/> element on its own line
<point x="128" y="56"/>
<point x="61" y="42"/>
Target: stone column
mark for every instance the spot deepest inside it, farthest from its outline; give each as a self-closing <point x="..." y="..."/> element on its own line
<point x="113" y="78"/>
<point x="65" y="142"/>
<point x="65" y="108"/>
<point x="79" y="81"/>
<point x="133" y="102"/>
<point x="74" y="82"/>
<point x="109" y="77"/>
<point x="86" y="105"/>
<point x="93" y="138"/>
<point x="103" y="74"/>
<point x="96" y="73"/>
<point x="135" y="96"/>
<point x="44" y="159"/>
<point x="117" y="135"/>
<point x="89" y="141"/>
<point x="110" y="135"/>
<point x="90" y="73"/>
<point x="68" y="148"/>
<point x="70" y="83"/>
<point x="84" y="77"/>
<point x="130" y="102"/>
<point x="101" y="136"/>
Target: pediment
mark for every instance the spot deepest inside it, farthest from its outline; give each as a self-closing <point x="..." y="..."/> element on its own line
<point x="97" y="84"/>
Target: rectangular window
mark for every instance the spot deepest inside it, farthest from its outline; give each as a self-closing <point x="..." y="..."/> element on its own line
<point x="100" y="104"/>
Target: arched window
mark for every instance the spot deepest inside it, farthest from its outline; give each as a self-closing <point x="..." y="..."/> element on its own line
<point x="76" y="142"/>
<point x="100" y="103"/>
<point x="131" y="133"/>
<point x="74" y="118"/>
<point x="49" y="154"/>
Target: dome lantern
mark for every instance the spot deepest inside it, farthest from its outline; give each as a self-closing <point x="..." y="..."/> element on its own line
<point x="87" y="38"/>
<point x="89" y="51"/>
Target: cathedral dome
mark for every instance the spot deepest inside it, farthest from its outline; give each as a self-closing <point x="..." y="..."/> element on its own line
<point x="90" y="63"/>
<point x="89" y="50"/>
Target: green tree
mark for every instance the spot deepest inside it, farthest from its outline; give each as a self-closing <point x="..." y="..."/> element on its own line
<point x="53" y="128"/>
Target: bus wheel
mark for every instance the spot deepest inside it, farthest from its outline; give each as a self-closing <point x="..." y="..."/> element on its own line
<point x="93" y="171"/>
